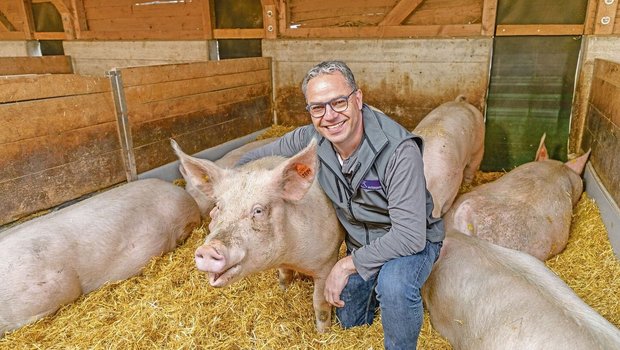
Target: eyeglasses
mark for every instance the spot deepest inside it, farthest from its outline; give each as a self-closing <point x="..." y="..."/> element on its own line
<point x="338" y="104"/>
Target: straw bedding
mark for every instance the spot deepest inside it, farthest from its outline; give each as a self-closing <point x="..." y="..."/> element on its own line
<point x="171" y="306"/>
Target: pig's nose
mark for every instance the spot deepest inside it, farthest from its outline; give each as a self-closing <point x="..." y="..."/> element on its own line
<point x="209" y="259"/>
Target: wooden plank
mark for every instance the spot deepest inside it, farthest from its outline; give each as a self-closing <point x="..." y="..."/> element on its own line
<point x="270" y="15"/>
<point x="539" y="29"/>
<point x="14" y="36"/>
<point x="137" y="12"/>
<point x="400" y="12"/>
<point x="79" y="15"/>
<point x="489" y="16"/>
<point x="34" y="192"/>
<point x="35" y="65"/>
<point x="385" y="31"/>
<point x="179" y="88"/>
<point x="193" y="103"/>
<point x="157" y="74"/>
<point x="283" y="15"/>
<point x="590" y="17"/>
<point x="605" y="17"/>
<point x="26" y="11"/>
<point x="227" y="127"/>
<point x="238" y="33"/>
<point x="208" y="18"/>
<point x="27" y="120"/>
<point x="142" y="35"/>
<point x="14" y="89"/>
<point x="50" y="36"/>
<point x="33" y="155"/>
<point x="170" y="23"/>
<point x="605" y="90"/>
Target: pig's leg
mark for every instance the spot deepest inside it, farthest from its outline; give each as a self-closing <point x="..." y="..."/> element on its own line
<point x="285" y="276"/>
<point x="322" y="309"/>
<point x="473" y="165"/>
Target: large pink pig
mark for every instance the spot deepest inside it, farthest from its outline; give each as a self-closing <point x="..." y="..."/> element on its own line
<point x="205" y="202"/>
<point x="481" y="296"/>
<point x="453" y="136"/>
<point x="270" y="213"/>
<point x="52" y="260"/>
<point x="528" y="209"/>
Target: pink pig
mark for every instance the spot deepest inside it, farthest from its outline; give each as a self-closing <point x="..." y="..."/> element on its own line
<point x="483" y="296"/>
<point x="270" y="213"/>
<point x="528" y="209"/>
<point x="205" y="202"/>
<point x="52" y="260"/>
<point x="453" y="136"/>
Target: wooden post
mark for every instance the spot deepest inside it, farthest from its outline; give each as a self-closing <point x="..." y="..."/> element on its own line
<point x="605" y="16"/>
<point x="489" y="16"/>
<point x="269" y="19"/>
<point x="28" y="29"/>
<point x="208" y="18"/>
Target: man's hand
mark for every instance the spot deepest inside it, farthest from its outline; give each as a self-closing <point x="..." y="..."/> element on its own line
<point x="337" y="279"/>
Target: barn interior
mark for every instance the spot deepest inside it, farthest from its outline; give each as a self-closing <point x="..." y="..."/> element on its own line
<point x="91" y="91"/>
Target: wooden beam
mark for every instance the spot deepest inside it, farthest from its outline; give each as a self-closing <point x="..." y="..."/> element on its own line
<point x="50" y="36"/>
<point x="283" y="12"/>
<point x="489" y="16"/>
<point x="26" y="9"/>
<point x="385" y="31"/>
<point x="208" y="18"/>
<point x="605" y="17"/>
<point x="270" y="22"/>
<point x="5" y="23"/>
<point x="539" y="29"/>
<point x="79" y="17"/>
<point x="590" y="15"/>
<point x="238" y="33"/>
<point x="400" y="12"/>
<point x="34" y="65"/>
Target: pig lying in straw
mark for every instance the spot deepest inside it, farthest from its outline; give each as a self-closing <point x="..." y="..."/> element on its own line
<point x="528" y="209"/>
<point x="51" y="260"/>
<point x="270" y="213"/>
<point x="482" y="296"/>
<point x="205" y="202"/>
<point x="453" y="136"/>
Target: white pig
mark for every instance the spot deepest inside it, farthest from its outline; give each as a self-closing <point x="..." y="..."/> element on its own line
<point x="270" y="213"/>
<point x="453" y="136"/>
<point x="481" y="296"/>
<point x="528" y="209"/>
<point x="205" y="202"/>
<point x="52" y="260"/>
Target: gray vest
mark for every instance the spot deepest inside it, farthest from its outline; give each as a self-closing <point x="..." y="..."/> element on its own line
<point x="360" y="200"/>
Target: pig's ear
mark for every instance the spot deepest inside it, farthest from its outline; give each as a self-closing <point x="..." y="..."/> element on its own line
<point x="202" y="174"/>
<point x="541" y="153"/>
<point x="297" y="173"/>
<point x="578" y="163"/>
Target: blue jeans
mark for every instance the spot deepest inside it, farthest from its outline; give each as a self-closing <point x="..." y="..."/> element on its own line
<point x="396" y="290"/>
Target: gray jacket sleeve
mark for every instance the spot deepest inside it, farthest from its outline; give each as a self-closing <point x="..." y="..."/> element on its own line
<point x="286" y="146"/>
<point x="406" y="193"/>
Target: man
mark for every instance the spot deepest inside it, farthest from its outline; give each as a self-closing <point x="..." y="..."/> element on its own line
<point x="372" y="170"/>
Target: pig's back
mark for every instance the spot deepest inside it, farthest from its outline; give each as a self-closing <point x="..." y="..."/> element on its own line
<point x="506" y="299"/>
<point x="108" y="236"/>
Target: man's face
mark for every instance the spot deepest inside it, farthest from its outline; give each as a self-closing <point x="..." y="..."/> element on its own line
<point x="343" y="129"/>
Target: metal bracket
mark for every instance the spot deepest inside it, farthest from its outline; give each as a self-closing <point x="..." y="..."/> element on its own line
<point x="122" y="119"/>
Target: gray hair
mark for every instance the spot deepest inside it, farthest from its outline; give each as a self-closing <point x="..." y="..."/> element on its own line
<point x="329" y="67"/>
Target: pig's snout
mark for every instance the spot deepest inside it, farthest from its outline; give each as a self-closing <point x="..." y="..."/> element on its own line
<point x="210" y="258"/>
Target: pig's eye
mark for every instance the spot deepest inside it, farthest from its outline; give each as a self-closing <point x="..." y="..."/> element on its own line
<point x="258" y="211"/>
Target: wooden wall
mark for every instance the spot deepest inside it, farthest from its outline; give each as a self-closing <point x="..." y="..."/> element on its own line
<point x="58" y="141"/>
<point x="602" y="127"/>
<point x="64" y="135"/>
<point x="201" y="105"/>
<point x="405" y="78"/>
<point x="35" y="65"/>
<point x="98" y="57"/>
<point x="603" y="47"/>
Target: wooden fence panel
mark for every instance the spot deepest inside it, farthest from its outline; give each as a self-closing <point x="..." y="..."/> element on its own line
<point x="58" y="141"/>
